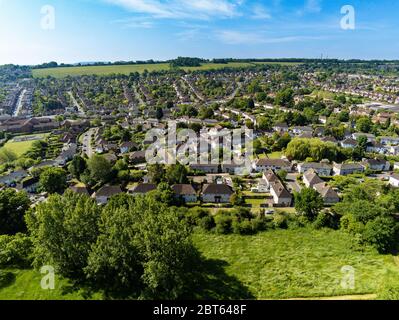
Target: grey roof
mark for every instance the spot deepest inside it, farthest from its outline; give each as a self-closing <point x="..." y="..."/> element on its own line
<point x="222" y="189"/>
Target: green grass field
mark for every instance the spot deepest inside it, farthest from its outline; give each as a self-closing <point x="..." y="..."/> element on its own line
<point x="301" y="263"/>
<point x="27" y="287"/>
<point x="127" y="69"/>
<point x="276" y="264"/>
<point x="20" y="147"/>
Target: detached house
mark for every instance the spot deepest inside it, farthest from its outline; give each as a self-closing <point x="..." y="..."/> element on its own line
<point x="377" y="164"/>
<point x="349" y="143"/>
<point x="327" y="193"/>
<point x="185" y="192"/>
<point x="310" y="178"/>
<point x="216" y="193"/>
<point x="142" y="189"/>
<point x="281" y="195"/>
<point x="126" y="147"/>
<point x="105" y="193"/>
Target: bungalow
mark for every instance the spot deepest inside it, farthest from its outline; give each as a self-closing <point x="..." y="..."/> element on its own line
<point x="80" y="189"/>
<point x="13" y="177"/>
<point x="390" y="141"/>
<point x="347" y="168"/>
<point x="105" y="193"/>
<point x="322" y="169"/>
<point x="263" y="165"/>
<point x="29" y="184"/>
<point x="126" y="147"/>
<point x="310" y="178"/>
<point x="142" y="189"/>
<point x="234" y="169"/>
<point x="301" y="130"/>
<point x="349" y="143"/>
<point x="185" y="192"/>
<point x="370" y="137"/>
<point x="280" y="127"/>
<point x="216" y="193"/>
<point x="205" y="168"/>
<point x="137" y="157"/>
<point x="394" y="180"/>
<point x="281" y="195"/>
<point x="327" y="193"/>
<point x="376" y="164"/>
<point x="376" y="147"/>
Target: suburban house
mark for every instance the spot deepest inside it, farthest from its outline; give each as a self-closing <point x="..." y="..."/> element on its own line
<point x="272" y="164"/>
<point x="389" y="141"/>
<point x="105" y="193"/>
<point x="281" y="195"/>
<point x="142" y="188"/>
<point x="394" y="180"/>
<point x="270" y="177"/>
<point x="322" y="169"/>
<point x="80" y="189"/>
<point x="13" y="177"/>
<point x="347" y="168"/>
<point x="280" y="127"/>
<point x="234" y="168"/>
<point x="137" y="157"/>
<point x="376" y="147"/>
<point x="349" y="143"/>
<point x="29" y="184"/>
<point x="216" y="193"/>
<point x="327" y="193"/>
<point x="185" y="192"/>
<point x="205" y="168"/>
<point x="310" y="178"/>
<point x="370" y="137"/>
<point x="126" y="147"/>
<point x="301" y="130"/>
<point x="376" y="164"/>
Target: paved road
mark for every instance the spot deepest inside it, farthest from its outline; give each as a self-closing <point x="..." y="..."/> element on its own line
<point x="76" y="104"/>
<point x="18" y="109"/>
<point x="87" y="145"/>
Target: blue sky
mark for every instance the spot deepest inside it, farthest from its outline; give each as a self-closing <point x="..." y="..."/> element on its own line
<point x="111" y="30"/>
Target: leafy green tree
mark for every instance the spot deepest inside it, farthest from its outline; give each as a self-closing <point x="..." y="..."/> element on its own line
<point x="156" y="173"/>
<point x="7" y="155"/>
<point x="77" y="166"/>
<point x="100" y="169"/>
<point x="15" y="251"/>
<point x="285" y="98"/>
<point x="13" y="206"/>
<point x="309" y="203"/>
<point x="363" y="124"/>
<point x="53" y="180"/>
<point x="382" y="233"/>
<point x="63" y="229"/>
<point x="176" y="174"/>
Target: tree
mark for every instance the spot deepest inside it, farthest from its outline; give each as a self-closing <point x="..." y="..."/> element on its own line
<point x="156" y="173"/>
<point x="100" y="169"/>
<point x="144" y="251"/>
<point x="13" y="206"/>
<point x="77" y="166"/>
<point x="53" y="180"/>
<point x="363" y="124"/>
<point x="7" y="155"/>
<point x="176" y="174"/>
<point x="309" y="203"/>
<point x="285" y="98"/>
<point x="63" y="229"/>
<point x="382" y="233"/>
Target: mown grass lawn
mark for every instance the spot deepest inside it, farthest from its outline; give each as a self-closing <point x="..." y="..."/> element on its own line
<point x="283" y="264"/>
<point x="21" y="147"/>
<point x="27" y="287"/>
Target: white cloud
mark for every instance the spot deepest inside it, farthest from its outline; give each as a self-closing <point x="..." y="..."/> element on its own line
<point x="175" y="9"/>
<point x="313" y="5"/>
<point x="260" y="12"/>
<point x="136" y="22"/>
<point x="253" y="38"/>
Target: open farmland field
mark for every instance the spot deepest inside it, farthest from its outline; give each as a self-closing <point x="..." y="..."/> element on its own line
<point x="127" y="69"/>
<point x="97" y="70"/>
<point x="303" y="263"/>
